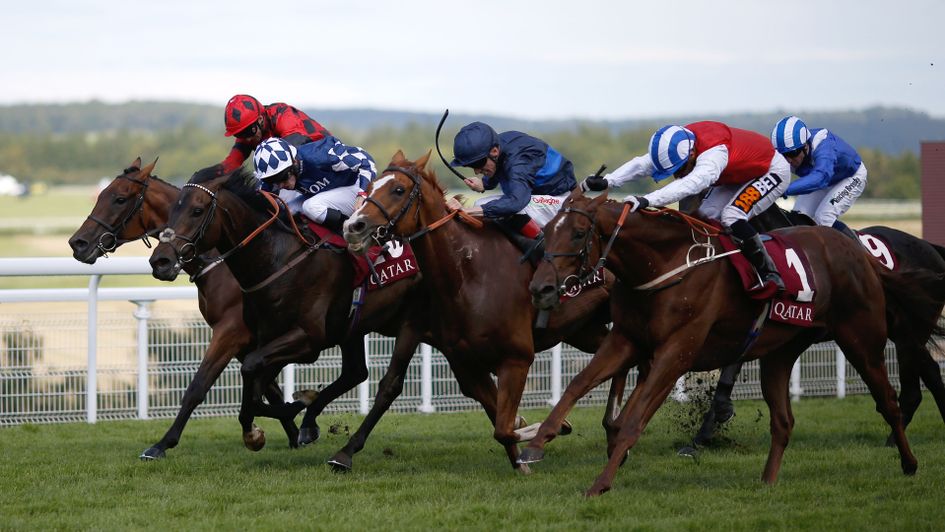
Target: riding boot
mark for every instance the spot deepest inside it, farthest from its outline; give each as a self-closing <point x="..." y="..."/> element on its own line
<point x="525" y="234"/>
<point x="754" y="250"/>
<point x="843" y="228"/>
<point x="334" y="220"/>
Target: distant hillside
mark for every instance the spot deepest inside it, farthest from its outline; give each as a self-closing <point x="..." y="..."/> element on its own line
<point x="890" y="130"/>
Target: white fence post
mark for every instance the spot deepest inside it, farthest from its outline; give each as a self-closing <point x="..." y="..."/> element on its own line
<point x="142" y="314"/>
<point x="841" y="374"/>
<point x="91" y="381"/>
<point x="555" y="375"/>
<point x="288" y="382"/>
<point x="796" y="390"/>
<point x="364" y="388"/>
<point x="426" y="379"/>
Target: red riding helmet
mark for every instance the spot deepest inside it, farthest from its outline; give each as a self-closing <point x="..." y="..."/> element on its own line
<point x="241" y="111"/>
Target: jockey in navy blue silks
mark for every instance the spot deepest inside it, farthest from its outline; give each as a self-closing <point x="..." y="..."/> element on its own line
<point x="322" y="179"/>
<point x="831" y="173"/>
<point x="535" y="179"/>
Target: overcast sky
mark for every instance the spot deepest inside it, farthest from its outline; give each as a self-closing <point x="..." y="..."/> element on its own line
<point x="535" y="59"/>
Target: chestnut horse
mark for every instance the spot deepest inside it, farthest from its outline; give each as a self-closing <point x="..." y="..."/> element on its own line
<point x="296" y="295"/>
<point x="477" y="291"/>
<point x="134" y="206"/>
<point x="892" y="247"/>
<point x="701" y="319"/>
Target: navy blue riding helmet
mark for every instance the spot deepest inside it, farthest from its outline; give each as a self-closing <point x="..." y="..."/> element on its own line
<point x="473" y="143"/>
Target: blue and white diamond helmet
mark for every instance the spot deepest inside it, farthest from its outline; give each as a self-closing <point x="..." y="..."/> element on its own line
<point x="789" y="134"/>
<point x="272" y="156"/>
<point x="669" y="150"/>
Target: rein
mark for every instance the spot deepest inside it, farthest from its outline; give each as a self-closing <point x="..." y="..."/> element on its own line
<point x="111" y="232"/>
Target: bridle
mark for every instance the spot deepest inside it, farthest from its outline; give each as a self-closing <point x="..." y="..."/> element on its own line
<point x="188" y="251"/>
<point x="109" y="241"/>
<point x="383" y="231"/>
<point x="585" y="272"/>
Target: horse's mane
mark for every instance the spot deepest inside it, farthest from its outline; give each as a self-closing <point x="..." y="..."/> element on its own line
<point x="131" y="169"/>
<point x="430" y="175"/>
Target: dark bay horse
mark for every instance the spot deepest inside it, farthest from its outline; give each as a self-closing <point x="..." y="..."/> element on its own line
<point x="135" y="206"/>
<point x="891" y="247"/>
<point x="477" y="292"/>
<point x="296" y="296"/>
<point x="700" y="320"/>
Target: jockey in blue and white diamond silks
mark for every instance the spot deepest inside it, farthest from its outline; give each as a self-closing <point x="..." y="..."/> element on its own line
<point x="322" y="179"/>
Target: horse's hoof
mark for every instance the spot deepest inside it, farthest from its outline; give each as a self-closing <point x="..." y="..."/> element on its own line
<point x="520" y="423"/>
<point x="255" y="439"/>
<point x="566" y="428"/>
<point x="688" y="451"/>
<point x="152" y="453"/>
<point x="596" y="490"/>
<point x="308" y="435"/>
<point x="340" y="463"/>
<point x="307" y="397"/>
<point x="523" y="469"/>
<point x="530" y="455"/>
<point x="909" y="468"/>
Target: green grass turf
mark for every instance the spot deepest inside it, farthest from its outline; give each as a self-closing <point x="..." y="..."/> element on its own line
<point x="444" y="471"/>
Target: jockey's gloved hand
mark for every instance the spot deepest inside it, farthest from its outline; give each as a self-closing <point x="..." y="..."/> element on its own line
<point x="595" y="183"/>
<point x="637" y="202"/>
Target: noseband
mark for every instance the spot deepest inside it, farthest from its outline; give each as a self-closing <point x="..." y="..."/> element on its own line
<point x="109" y="241"/>
<point x="584" y="272"/>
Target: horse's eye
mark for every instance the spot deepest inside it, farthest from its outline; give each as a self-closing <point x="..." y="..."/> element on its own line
<point x="398" y="190"/>
<point x="197" y="211"/>
<point x="579" y="235"/>
<point x="120" y="200"/>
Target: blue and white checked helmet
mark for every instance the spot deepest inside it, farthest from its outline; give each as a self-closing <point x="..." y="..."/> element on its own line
<point x="669" y="150"/>
<point x="789" y="134"/>
<point x="272" y="156"/>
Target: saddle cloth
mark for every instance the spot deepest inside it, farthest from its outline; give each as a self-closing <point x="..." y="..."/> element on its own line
<point x="795" y="305"/>
<point x="398" y="261"/>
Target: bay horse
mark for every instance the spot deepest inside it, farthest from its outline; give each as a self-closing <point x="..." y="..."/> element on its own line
<point x="892" y="248"/>
<point x="134" y="206"/>
<point x="701" y="319"/>
<point x="481" y="316"/>
<point x="296" y="294"/>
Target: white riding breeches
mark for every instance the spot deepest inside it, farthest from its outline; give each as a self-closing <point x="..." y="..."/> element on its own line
<point x="730" y="203"/>
<point x="826" y="205"/>
<point x="541" y="208"/>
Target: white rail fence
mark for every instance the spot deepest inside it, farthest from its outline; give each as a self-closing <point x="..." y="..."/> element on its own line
<point x="64" y="367"/>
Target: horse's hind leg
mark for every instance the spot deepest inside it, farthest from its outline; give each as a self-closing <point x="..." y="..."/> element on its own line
<point x="354" y="371"/>
<point x="910" y="391"/>
<point x="931" y="375"/>
<point x="721" y="409"/>
<point x="865" y="353"/>
<point x="511" y="384"/>
<point x="390" y="387"/>
<point x="616" y="355"/>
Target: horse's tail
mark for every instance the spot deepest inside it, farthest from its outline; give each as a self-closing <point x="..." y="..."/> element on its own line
<point x="914" y="300"/>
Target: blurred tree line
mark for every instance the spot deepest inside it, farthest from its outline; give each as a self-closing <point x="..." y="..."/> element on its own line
<point x="86" y="157"/>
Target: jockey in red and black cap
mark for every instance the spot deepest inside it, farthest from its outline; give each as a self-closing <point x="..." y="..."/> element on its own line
<point x="250" y="122"/>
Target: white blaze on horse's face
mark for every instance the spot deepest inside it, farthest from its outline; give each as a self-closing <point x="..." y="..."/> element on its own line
<point x="381" y="181"/>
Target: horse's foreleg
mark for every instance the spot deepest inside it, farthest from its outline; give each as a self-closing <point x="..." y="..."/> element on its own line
<point x="616" y="355"/>
<point x="390" y="387"/>
<point x="775" y="379"/>
<point x="644" y="401"/>
<point x="721" y="409"/>
<point x="511" y="383"/>
<point x="865" y="353"/>
<point x="354" y="371"/>
<point x="224" y="344"/>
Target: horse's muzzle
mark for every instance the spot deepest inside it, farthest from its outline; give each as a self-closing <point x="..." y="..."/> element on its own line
<point x="164" y="268"/>
<point x="357" y="234"/>
<point x="544" y="295"/>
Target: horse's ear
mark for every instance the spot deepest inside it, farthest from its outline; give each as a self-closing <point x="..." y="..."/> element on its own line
<point x="146" y="171"/>
<point x="136" y="164"/>
<point x="399" y="159"/>
<point x="421" y="163"/>
<point x="599" y="200"/>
